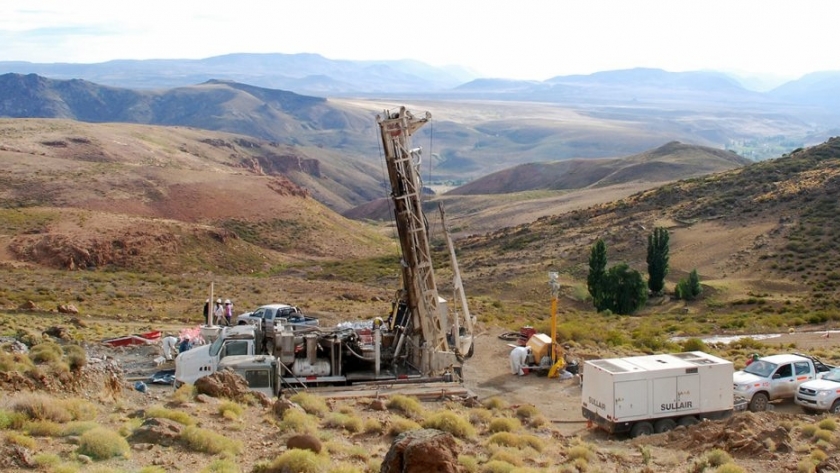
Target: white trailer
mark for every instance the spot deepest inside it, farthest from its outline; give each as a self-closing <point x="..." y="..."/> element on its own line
<point x="655" y="393"/>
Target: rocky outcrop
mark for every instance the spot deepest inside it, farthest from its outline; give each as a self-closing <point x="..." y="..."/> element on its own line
<point x="422" y="451"/>
<point x="225" y="383"/>
<point x="158" y="431"/>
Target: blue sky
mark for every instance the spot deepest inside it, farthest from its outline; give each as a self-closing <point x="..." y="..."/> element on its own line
<point x="535" y="39"/>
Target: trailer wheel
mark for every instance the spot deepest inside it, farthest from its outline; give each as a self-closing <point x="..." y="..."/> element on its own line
<point x="641" y="428"/>
<point x="835" y="408"/>
<point x="687" y="421"/>
<point x="759" y="402"/>
<point x="664" y="425"/>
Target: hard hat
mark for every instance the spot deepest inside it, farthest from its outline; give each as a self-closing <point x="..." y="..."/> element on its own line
<point x="208" y="300"/>
<point x="227" y="301"/>
<point x="218" y="301"/>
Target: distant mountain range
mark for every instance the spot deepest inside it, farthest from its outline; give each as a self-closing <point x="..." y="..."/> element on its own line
<point x="482" y="125"/>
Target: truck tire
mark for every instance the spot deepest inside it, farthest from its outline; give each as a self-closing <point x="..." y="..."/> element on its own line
<point x="641" y="428"/>
<point x="835" y="408"/>
<point x="687" y="421"/>
<point x="759" y="402"/>
<point x="664" y="425"/>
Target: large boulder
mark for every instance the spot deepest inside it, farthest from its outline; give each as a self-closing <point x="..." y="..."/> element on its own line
<point x="422" y="451"/>
<point x="225" y="383"/>
<point x="304" y="442"/>
<point x="158" y="431"/>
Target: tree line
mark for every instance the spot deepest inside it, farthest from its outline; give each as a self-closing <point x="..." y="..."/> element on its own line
<point x="622" y="290"/>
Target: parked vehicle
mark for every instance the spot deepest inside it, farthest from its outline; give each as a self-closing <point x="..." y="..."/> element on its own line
<point x="775" y="377"/>
<point x="822" y="394"/>
<point x="204" y="360"/>
<point x="266" y="315"/>
<point x="655" y="393"/>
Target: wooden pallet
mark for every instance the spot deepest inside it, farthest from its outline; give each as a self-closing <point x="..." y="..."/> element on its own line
<point x="422" y="391"/>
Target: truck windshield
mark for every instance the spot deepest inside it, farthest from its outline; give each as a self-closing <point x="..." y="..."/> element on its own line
<point x="833" y="375"/>
<point x="761" y="368"/>
<point x="216" y="346"/>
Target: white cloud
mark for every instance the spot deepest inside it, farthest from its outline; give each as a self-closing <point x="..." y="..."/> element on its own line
<point x="534" y="39"/>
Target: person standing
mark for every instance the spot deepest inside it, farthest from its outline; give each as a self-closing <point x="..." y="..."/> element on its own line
<point x="207" y="312"/>
<point x="218" y="312"/>
<point x="228" y="311"/>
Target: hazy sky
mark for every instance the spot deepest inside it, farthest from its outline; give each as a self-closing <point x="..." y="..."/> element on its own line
<point x="524" y="39"/>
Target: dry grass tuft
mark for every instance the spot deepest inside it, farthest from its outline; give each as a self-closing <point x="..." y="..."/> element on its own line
<point x="101" y="444"/>
<point x="311" y="403"/>
<point x="504" y="424"/>
<point x="451" y="422"/>
<point x="348" y="422"/>
<point x="295" y="460"/>
<point x="171" y="414"/>
<point x="401" y="424"/>
<point x="296" y="421"/>
<point x="409" y="406"/>
<point x="208" y="441"/>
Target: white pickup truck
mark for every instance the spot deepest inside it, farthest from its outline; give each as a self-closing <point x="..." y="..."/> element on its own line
<point x="820" y="394"/>
<point x="775" y="377"/>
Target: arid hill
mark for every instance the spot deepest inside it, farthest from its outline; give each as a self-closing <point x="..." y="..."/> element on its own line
<point x="131" y="196"/>
<point x="763" y="234"/>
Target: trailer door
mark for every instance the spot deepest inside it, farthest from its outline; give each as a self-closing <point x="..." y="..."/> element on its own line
<point x="631" y="399"/>
<point x="688" y="393"/>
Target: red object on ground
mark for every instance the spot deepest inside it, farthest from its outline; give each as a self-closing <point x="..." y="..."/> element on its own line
<point x="130" y="340"/>
<point x="525" y="334"/>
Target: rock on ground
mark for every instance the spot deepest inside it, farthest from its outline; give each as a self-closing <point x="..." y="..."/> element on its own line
<point x="422" y="451"/>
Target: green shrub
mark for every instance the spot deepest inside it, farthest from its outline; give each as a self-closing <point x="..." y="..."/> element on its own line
<point x="208" y="441"/>
<point x="298" y="422"/>
<point x="729" y="468"/>
<point x="580" y="451"/>
<point x="497" y="466"/>
<point x="469" y="463"/>
<point x="47" y="461"/>
<point x="480" y="415"/>
<point x="495" y="403"/>
<point x="80" y="409"/>
<point x="822" y="434"/>
<point x="451" y="422"/>
<point x="348" y="422"/>
<point x="373" y="426"/>
<point x="694" y="344"/>
<point x="77" y="428"/>
<point x="526" y="411"/>
<point x="42" y="407"/>
<point x="409" y="406"/>
<point x="809" y="430"/>
<point x="47" y="352"/>
<point x="296" y="460"/>
<point x="221" y="465"/>
<point x="76" y="357"/>
<point x="101" y="444"/>
<point x="43" y="428"/>
<point x="504" y="439"/>
<point x="718" y="457"/>
<point x="230" y="410"/>
<point x="532" y="441"/>
<point x="14" y="438"/>
<point x="828" y="424"/>
<point x="401" y="424"/>
<point x="311" y="403"/>
<point x="160" y="412"/>
<point x="507" y="456"/>
<point x="504" y="424"/>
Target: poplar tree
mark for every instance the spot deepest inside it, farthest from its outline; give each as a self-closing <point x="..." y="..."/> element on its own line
<point x="657" y="259"/>
<point x="597" y="271"/>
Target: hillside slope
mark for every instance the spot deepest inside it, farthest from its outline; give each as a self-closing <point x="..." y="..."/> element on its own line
<point x="85" y="195"/>
<point x="766" y="231"/>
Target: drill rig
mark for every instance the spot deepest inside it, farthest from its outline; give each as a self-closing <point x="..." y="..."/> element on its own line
<point x="436" y="340"/>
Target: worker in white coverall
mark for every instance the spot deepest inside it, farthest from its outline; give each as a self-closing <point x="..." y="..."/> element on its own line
<point x="518" y="357"/>
<point x="170" y="345"/>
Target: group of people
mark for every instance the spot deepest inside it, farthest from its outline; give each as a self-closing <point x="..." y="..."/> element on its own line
<point x="222" y="313"/>
<point x="173" y="345"/>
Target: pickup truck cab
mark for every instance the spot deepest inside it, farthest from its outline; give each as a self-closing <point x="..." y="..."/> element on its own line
<point x="821" y="394"/>
<point x="204" y="360"/>
<point x="775" y="377"/>
<point x="267" y="316"/>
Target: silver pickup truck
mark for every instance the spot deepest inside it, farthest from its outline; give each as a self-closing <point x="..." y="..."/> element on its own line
<point x="775" y="377"/>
